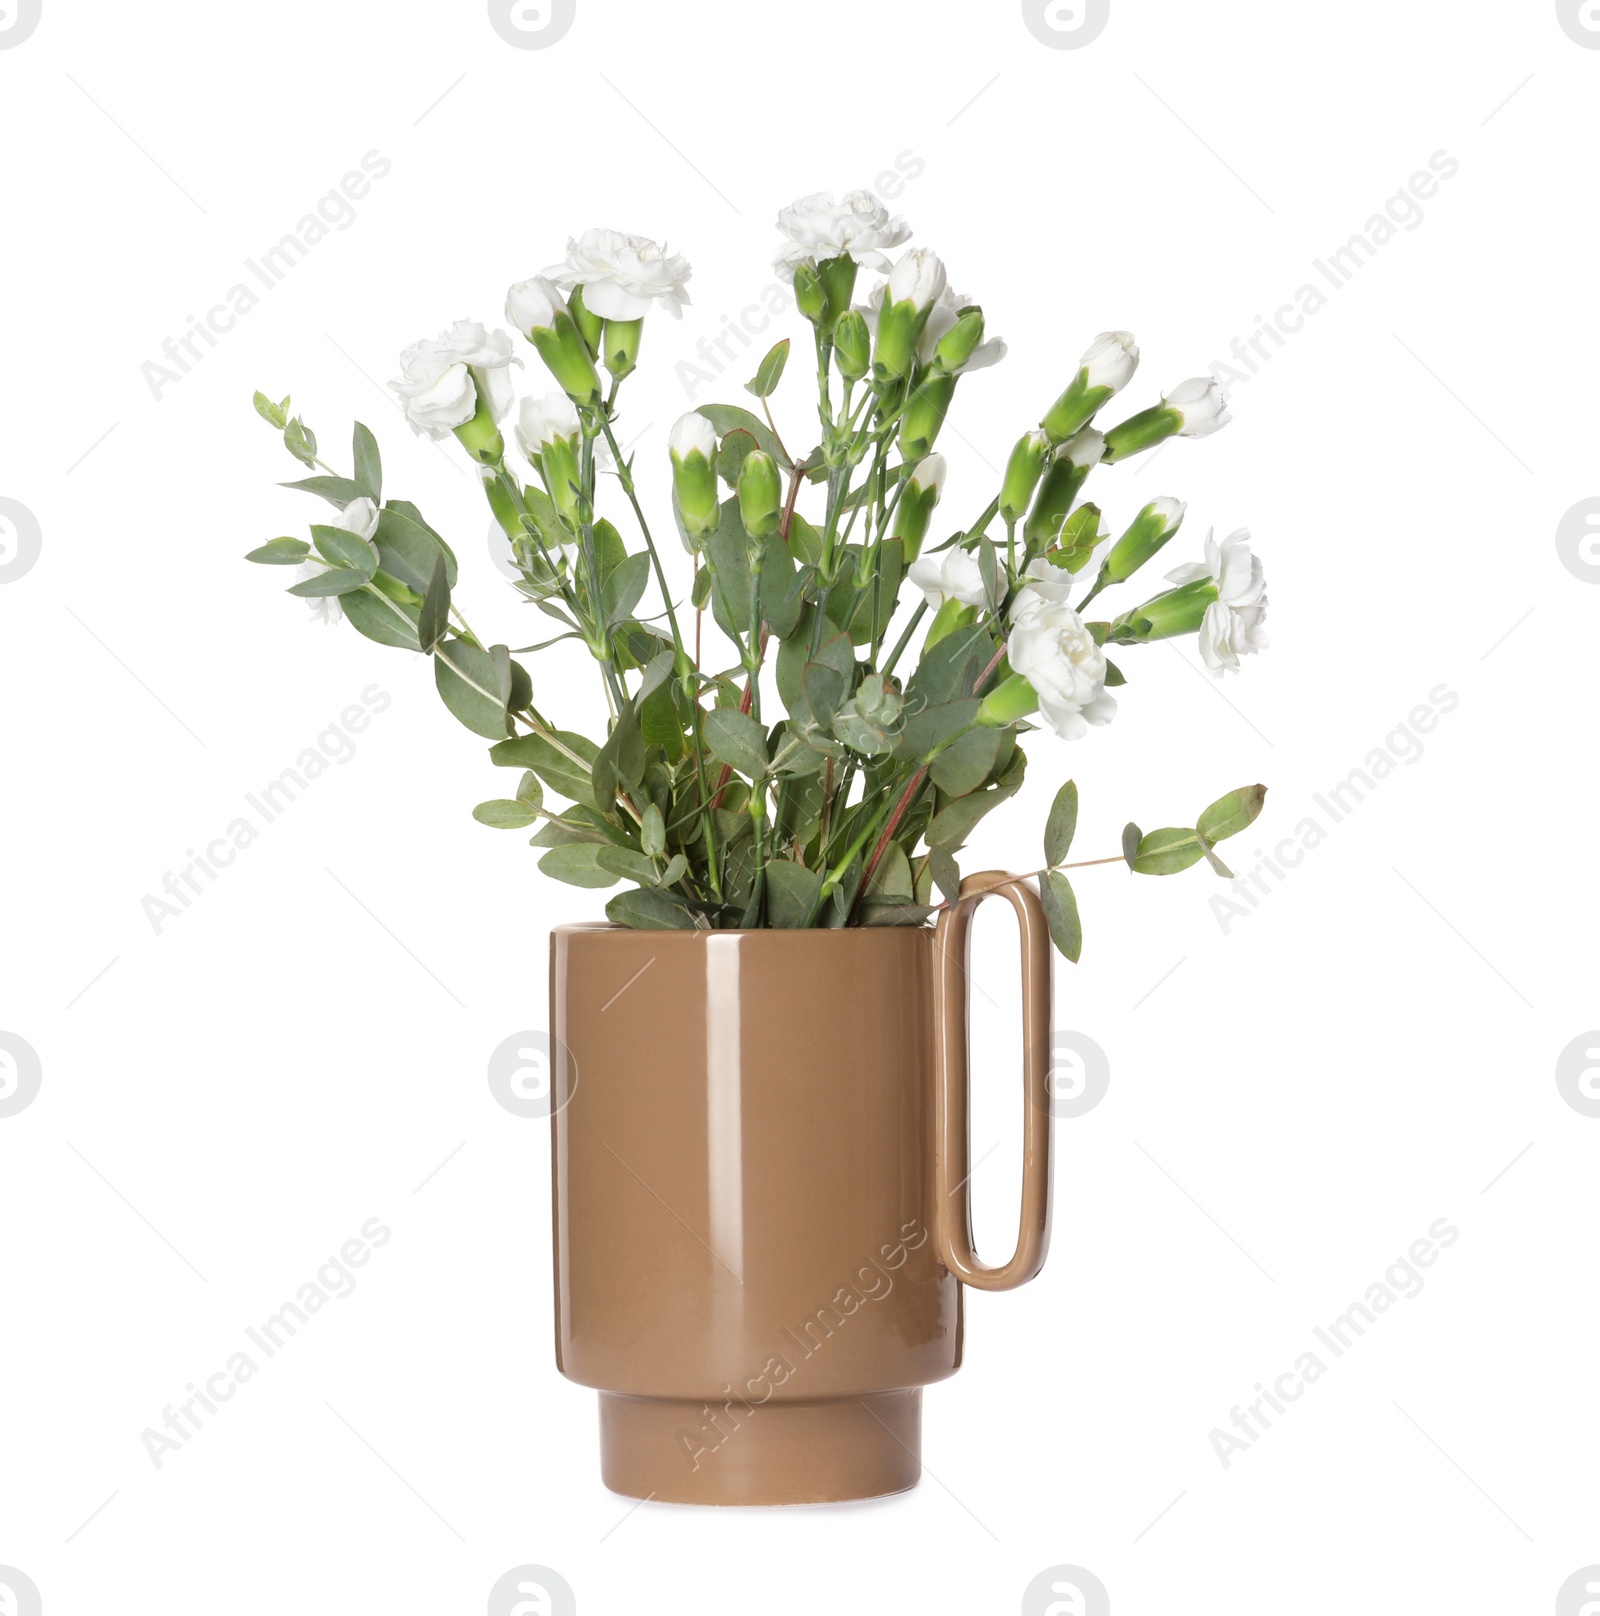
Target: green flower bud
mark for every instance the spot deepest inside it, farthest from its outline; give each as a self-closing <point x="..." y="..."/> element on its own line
<point x="760" y="491"/>
<point x="1173" y="612"/>
<point x="915" y="285"/>
<point x="914" y="511"/>
<point x="838" y="277"/>
<point x="537" y="310"/>
<point x="558" y="466"/>
<point x="949" y="617"/>
<point x="1023" y="471"/>
<point x="589" y="325"/>
<point x="1103" y="371"/>
<point x="852" y="345"/>
<point x="1149" y="530"/>
<point x="693" y="448"/>
<point x="960" y="342"/>
<point x="1062" y="481"/>
<point x="480" y="437"/>
<point x="620" y="343"/>
<point x="1142" y="431"/>
<point x="925" y="412"/>
<point x="810" y="296"/>
<point x="1009" y="702"/>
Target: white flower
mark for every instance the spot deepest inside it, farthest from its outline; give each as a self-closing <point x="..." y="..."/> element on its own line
<point x="360" y="517"/>
<point x="1169" y="510"/>
<point x="534" y="304"/>
<point x="437" y="385"/>
<point x="693" y="434"/>
<point x="1111" y="360"/>
<point x="1085" y="450"/>
<point x="918" y="279"/>
<point x="943" y="316"/>
<point x="1202" y="404"/>
<point x="930" y="472"/>
<point x="819" y="228"/>
<point x="543" y="420"/>
<point x="623" y="275"/>
<point x="953" y="575"/>
<point x="1050" y="647"/>
<point x="1231" y="627"/>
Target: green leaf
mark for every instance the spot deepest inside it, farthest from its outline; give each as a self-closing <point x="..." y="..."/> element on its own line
<point x="893" y="912"/>
<point x="345" y="549"/>
<point x="1131" y="837"/>
<point x="578" y="864"/>
<point x="968" y="761"/>
<point x="337" y="491"/>
<point x="1165" y="852"/>
<point x="469" y="686"/>
<point x="300" y="441"/>
<point x="950" y="669"/>
<point x="1080" y="533"/>
<point x="738" y="740"/>
<point x="768" y="373"/>
<point x="892" y="878"/>
<point x="1061" y="914"/>
<point x="529" y="790"/>
<point x="369" y="467"/>
<point x="335" y="581"/>
<point x="280" y="552"/>
<point x="677" y="868"/>
<point x="1216" y="864"/>
<point x="624" y="587"/>
<point x="622" y="759"/>
<point x="648" y="910"/>
<point x="825" y="688"/>
<point x="434" y="621"/>
<point x="629" y="865"/>
<point x="572" y="780"/>
<point x="408" y="547"/>
<point x="1229" y="815"/>
<point x="731" y="455"/>
<point x="783" y="588"/>
<point x="386" y="621"/>
<point x="653" y="832"/>
<point x="791" y="891"/>
<point x="946" y="874"/>
<point x="726" y="418"/>
<point x="1062" y="825"/>
<point x="934" y="726"/>
<point x="501" y="813"/>
<point x="954" y="823"/>
<point x="270" y="412"/>
<point x="1114" y="675"/>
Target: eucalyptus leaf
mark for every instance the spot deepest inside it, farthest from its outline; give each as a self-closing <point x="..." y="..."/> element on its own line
<point x="1131" y="837"/>
<point x="1229" y="815"/>
<point x="578" y="864"/>
<point x="738" y="740"/>
<point x="338" y="491"/>
<point x="631" y="866"/>
<point x="937" y="726"/>
<point x="1061" y="914"/>
<point x="368" y="464"/>
<point x="968" y="761"/>
<point x="647" y="909"/>
<point x="434" y="621"/>
<point x="726" y="418"/>
<point x="570" y="779"/>
<point x="1166" y="852"/>
<point x="946" y="874"/>
<point x="345" y="549"/>
<point x="791" y="892"/>
<point x="502" y="813"/>
<point x="624" y="587"/>
<point x="892" y="878"/>
<point x="529" y="790"/>
<point x="468" y="685"/>
<point x="270" y="412"/>
<point x="386" y="621"/>
<point x="1061" y="825"/>
<point x="653" y="832"/>
<point x="770" y="371"/>
<point x="335" y="581"/>
<point x="280" y="553"/>
<point x="408" y="547"/>
<point x="731" y="455"/>
<point x="300" y="441"/>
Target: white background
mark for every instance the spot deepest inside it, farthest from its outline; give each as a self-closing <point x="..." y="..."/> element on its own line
<point x="1293" y="1100"/>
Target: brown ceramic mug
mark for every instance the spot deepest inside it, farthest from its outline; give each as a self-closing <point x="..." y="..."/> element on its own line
<point x="762" y="1222"/>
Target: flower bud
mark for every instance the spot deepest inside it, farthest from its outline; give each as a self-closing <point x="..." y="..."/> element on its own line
<point x="1102" y="372"/>
<point x="960" y="342"/>
<point x="924" y="413"/>
<point x="914" y="511"/>
<point x="809" y="296"/>
<point x="1023" y="471"/>
<point x="852" y="345"/>
<point x="1149" y="530"/>
<point x="760" y="494"/>
<point x="1060" y="486"/>
<point x="1193" y="409"/>
<point x="589" y="324"/>
<point x="620" y="344"/>
<point x="536" y="308"/>
<point x="693" y="448"/>
<point x="1010" y="701"/>
<point x="914" y="287"/>
<point x="1173" y="612"/>
<point x="838" y="276"/>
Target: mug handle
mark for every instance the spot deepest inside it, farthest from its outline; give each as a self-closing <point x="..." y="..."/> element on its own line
<point x="953" y="1217"/>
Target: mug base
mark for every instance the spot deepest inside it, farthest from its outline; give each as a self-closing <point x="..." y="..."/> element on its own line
<point x="826" y="1451"/>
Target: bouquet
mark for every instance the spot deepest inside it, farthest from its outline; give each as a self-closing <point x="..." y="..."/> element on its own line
<point x="820" y="753"/>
